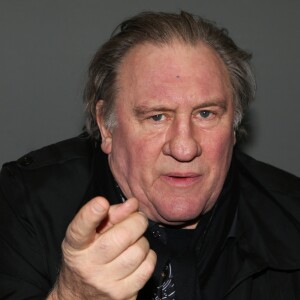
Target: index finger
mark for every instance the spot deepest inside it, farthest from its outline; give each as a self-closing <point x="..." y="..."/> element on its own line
<point x="119" y="212"/>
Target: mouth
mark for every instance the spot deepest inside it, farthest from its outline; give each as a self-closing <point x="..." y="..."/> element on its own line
<point x="181" y="179"/>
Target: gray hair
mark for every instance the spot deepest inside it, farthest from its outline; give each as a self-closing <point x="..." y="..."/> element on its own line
<point x="161" y="28"/>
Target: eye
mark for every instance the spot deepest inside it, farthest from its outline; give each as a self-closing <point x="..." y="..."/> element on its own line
<point x="158" y="117"/>
<point x="205" y="114"/>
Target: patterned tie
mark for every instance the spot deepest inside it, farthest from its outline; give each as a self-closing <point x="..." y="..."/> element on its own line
<point x="166" y="288"/>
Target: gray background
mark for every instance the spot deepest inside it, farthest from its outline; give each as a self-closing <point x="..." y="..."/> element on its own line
<point x="46" y="46"/>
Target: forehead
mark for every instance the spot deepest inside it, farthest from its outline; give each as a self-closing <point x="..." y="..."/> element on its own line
<point x="163" y="69"/>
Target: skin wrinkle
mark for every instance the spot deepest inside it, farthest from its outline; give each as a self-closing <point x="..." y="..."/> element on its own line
<point x="145" y="156"/>
<point x="142" y="110"/>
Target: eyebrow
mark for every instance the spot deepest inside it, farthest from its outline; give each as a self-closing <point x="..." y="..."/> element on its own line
<point x="145" y="109"/>
<point x="221" y="103"/>
<point x="141" y="110"/>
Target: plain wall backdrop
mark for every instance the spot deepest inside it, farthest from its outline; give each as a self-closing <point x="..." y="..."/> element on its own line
<point x="46" y="46"/>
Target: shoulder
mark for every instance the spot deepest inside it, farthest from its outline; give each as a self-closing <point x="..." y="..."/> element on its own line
<point x="45" y="188"/>
<point x="268" y="176"/>
<point x="49" y="176"/>
<point x="76" y="148"/>
<point x="269" y="212"/>
<point x="56" y="158"/>
<point x="39" y="195"/>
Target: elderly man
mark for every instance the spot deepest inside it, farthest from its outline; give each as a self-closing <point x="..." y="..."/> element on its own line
<point x="154" y="202"/>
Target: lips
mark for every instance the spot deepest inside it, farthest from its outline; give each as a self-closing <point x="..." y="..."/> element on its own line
<point x="181" y="179"/>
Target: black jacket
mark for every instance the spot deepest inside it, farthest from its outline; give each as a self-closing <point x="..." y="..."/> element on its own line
<point x="41" y="192"/>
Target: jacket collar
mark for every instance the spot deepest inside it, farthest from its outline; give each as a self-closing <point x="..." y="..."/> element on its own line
<point x="101" y="182"/>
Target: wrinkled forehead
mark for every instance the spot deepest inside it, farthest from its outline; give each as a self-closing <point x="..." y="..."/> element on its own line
<point x="155" y="67"/>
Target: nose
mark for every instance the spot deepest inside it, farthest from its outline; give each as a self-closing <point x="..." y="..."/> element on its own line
<point x="181" y="142"/>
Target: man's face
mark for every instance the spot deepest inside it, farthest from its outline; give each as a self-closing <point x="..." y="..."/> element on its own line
<point x="173" y="143"/>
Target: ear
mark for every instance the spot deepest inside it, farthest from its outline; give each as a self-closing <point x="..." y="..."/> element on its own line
<point x="106" y="135"/>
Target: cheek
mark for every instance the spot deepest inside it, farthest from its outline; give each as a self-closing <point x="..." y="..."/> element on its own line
<point x="130" y="151"/>
<point x="147" y="147"/>
<point x="219" y="146"/>
<point x="121" y="150"/>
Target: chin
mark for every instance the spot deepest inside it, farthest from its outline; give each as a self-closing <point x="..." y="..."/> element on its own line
<point x="178" y="218"/>
<point x="186" y="223"/>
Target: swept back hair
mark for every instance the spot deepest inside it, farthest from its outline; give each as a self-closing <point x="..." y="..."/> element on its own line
<point x="160" y="28"/>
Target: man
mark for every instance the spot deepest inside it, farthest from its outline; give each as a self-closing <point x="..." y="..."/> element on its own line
<point x="167" y="208"/>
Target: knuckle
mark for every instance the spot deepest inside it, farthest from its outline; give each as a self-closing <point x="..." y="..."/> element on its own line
<point x="142" y="220"/>
<point x="121" y="237"/>
<point x="129" y="231"/>
<point x="141" y="248"/>
<point x="140" y="280"/>
<point x="145" y="270"/>
<point x="135" y="257"/>
<point x="149" y="263"/>
<point x="69" y="255"/>
<point x="73" y="234"/>
<point x="105" y="243"/>
<point x="70" y="258"/>
<point x="65" y="248"/>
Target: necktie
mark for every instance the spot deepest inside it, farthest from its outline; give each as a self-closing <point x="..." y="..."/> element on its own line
<point x="166" y="288"/>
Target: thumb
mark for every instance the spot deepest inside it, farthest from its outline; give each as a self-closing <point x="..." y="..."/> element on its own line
<point x="82" y="230"/>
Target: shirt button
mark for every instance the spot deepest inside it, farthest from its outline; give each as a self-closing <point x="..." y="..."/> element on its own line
<point x="25" y="160"/>
<point x="156" y="233"/>
<point x="163" y="274"/>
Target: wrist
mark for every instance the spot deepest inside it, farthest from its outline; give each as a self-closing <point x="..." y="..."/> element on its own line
<point x="65" y="288"/>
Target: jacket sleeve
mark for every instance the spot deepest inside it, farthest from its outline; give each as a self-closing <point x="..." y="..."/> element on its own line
<point x="23" y="269"/>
